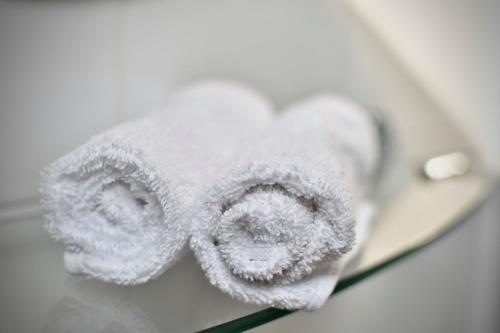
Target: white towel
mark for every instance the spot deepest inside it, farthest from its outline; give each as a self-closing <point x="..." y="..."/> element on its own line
<point x="275" y="228"/>
<point x="121" y="203"/>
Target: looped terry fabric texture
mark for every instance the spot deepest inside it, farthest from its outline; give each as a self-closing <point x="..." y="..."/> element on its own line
<point x="278" y="225"/>
<point x="122" y="202"/>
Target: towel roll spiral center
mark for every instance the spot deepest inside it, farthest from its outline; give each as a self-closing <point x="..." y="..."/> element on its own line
<point x="264" y="233"/>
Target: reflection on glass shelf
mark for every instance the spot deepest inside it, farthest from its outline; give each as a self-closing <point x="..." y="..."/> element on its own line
<point x="94" y="312"/>
<point x="35" y="286"/>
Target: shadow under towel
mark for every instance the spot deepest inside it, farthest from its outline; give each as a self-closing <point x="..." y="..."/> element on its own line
<point x="277" y="228"/>
<point x="121" y="203"/>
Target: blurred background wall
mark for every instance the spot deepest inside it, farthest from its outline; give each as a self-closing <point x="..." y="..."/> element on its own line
<point x="69" y="69"/>
<point x="451" y="47"/>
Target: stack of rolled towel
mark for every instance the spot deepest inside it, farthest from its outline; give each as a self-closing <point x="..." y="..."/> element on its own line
<point x="273" y="206"/>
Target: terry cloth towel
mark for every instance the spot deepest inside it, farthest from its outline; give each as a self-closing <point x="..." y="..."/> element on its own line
<point x="120" y="203"/>
<point x="276" y="228"/>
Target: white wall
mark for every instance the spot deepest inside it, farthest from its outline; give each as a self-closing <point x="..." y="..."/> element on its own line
<point x="69" y="69"/>
<point x="453" y="49"/>
<point x="57" y="84"/>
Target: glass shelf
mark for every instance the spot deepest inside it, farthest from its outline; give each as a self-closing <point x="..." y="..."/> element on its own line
<point x="37" y="288"/>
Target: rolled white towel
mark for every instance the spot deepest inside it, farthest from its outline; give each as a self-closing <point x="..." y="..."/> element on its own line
<point x="278" y="227"/>
<point x="121" y="202"/>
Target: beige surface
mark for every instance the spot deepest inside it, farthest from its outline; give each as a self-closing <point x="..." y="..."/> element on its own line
<point x="422" y="210"/>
